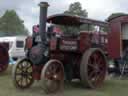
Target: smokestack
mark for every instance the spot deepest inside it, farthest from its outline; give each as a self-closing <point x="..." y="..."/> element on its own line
<point x="43" y="20"/>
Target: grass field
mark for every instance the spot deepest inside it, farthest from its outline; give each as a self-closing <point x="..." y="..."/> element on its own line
<point x="112" y="87"/>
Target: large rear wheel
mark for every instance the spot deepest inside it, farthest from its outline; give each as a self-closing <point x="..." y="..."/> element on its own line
<point x="22" y="73"/>
<point x="93" y="68"/>
<point x="53" y="76"/>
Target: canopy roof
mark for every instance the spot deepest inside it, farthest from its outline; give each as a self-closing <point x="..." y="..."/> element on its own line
<point x="73" y="20"/>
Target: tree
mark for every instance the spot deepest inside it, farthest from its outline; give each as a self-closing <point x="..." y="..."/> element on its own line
<point x="114" y="15"/>
<point x="11" y="24"/>
<point x="76" y="9"/>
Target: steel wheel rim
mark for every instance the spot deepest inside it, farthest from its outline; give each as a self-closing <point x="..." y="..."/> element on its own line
<point x="23" y="74"/>
<point x="53" y="76"/>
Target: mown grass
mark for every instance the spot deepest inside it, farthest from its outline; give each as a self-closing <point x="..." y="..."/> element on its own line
<point x="113" y="87"/>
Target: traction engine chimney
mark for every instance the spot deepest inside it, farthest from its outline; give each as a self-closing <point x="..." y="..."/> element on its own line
<point x="42" y="21"/>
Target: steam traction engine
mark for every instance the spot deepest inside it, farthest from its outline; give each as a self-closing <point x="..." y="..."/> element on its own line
<point x="57" y="58"/>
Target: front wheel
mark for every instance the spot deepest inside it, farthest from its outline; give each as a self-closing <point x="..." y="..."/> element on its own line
<point x="22" y="74"/>
<point x="53" y="76"/>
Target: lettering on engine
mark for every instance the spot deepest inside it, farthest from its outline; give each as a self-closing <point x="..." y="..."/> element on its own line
<point x="68" y="45"/>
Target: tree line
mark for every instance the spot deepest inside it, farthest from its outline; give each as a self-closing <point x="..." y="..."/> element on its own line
<point x="11" y="24"/>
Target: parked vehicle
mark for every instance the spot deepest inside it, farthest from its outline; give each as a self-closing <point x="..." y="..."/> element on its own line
<point x="118" y="44"/>
<point x="16" y="46"/>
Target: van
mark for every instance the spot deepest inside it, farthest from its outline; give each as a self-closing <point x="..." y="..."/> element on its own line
<point x="16" y="46"/>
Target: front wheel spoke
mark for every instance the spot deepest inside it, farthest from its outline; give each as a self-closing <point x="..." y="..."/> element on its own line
<point x="57" y="68"/>
<point x="30" y="77"/>
<point x="24" y="64"/>
<point x="53" y="71"/>
<point x="19" y="67"/>
<point x="56" y="76"/>
<point x="18" y="78"/>
<point x="18" y="70"/>
<point x="29" y="73"/>
<point x="28" y="65"/>
<point x="18" y="73"/>
<point x="20" y="81"/>
<point x="59" y="76"/>
<point x="49" y="68"/>
<point x="54" y="68"/>
<point x="27" y="80"/>
<point x="48" y="74"/>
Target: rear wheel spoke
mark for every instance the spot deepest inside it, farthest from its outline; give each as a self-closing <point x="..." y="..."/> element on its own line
<point x="91" y="65"/>
<point x="92" y="74"/>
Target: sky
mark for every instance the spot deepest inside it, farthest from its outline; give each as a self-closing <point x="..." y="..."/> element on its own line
<point x="28" y="10"/>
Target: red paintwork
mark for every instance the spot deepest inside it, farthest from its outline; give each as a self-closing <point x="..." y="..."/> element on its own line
<point x="28" y="42"/>
<point x="70" y="49"/>
<point x="114" y="36"/>
<point x="4" y="56"/>
<point x="93" y="37"/>
<point x="37" y="71"/>
<point x="53" y="44"/>
<point x="85" y="41"/>
<point x="82" y="42"/>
